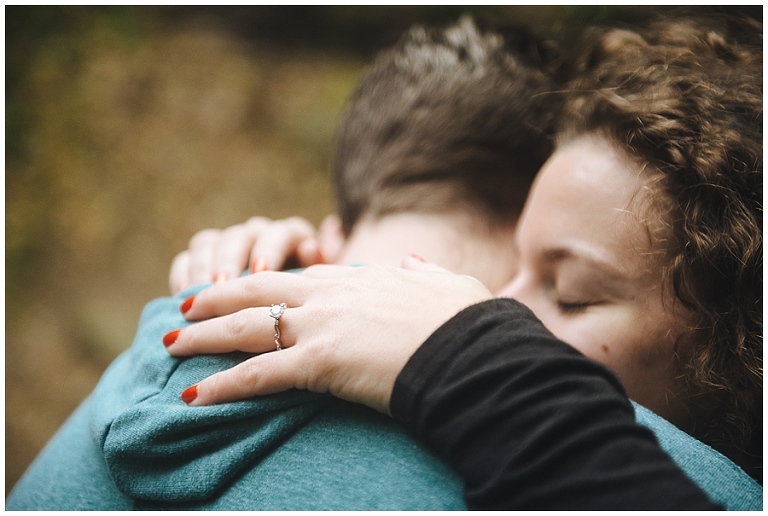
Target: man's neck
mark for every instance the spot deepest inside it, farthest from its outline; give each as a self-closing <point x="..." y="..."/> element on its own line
<point x="459" y="242"/>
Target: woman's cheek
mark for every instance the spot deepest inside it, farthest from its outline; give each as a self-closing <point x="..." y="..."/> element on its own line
<point x="600" y="334"/>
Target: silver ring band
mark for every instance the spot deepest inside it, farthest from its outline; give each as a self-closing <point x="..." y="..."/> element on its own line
<point x="276" y="312"/>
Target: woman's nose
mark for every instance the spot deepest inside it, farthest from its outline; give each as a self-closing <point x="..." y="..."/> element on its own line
<point x="515" y="288"/>
<point x="525" y="289"/>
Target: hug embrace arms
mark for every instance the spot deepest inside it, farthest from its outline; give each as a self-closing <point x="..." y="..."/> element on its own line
<point x="529" y="415"/>
<point x="678" y="111"/>
<point x="453" y="395"/>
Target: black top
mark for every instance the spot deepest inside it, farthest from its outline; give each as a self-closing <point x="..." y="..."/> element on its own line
<point x="531" y="423"/>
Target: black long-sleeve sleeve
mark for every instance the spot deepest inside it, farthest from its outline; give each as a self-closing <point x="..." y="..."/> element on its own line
<point x="530" y="423"/>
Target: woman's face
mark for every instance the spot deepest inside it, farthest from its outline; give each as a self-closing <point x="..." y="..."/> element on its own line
<point x="590" y="267"/>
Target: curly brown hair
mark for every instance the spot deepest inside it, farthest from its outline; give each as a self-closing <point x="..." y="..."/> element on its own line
<point x="685" y="96"/>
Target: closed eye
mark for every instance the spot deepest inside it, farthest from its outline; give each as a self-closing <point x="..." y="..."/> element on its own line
<point x="572" y="308"/>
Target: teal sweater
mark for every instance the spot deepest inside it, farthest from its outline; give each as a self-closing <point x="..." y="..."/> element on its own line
<point x="300" y="450"/>
<point x="138" y="446"/>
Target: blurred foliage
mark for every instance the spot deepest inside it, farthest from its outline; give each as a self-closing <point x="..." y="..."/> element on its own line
<point x="130" y="128"/>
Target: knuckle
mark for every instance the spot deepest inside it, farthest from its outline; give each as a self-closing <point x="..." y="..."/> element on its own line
<point x="216" y="385"/>
<point x="232" y="384"/>
<point x="247" y="374"/>
<point x="311" y="376"/>
<point x="347" y="288"/>
<point x="253" y="285"/>
<point x="237" y="324"/>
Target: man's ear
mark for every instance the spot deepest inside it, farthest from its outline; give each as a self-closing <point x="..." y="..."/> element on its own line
<point x="332" y="237"/>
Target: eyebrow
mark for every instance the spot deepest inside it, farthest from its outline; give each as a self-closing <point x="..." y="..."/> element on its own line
<point x="558" y="254"/>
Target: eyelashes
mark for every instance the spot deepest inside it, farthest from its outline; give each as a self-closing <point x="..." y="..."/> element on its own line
<point x="572" y="308"/>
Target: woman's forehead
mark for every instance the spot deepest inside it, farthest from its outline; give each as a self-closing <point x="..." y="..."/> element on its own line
<point x="590" y="194"/>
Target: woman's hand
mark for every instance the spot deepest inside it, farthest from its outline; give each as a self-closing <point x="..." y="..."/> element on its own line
<point x="346" y="330"/>
<point x="260" y="243"/>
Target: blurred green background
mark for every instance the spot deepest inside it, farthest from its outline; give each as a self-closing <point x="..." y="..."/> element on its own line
<point x="128" y="129"/>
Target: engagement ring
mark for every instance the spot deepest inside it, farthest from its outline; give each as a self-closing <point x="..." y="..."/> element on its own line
<point x="276" y="312"/>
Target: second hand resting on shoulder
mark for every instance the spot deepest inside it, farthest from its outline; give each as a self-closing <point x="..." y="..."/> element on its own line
<point x="259" y="244"/>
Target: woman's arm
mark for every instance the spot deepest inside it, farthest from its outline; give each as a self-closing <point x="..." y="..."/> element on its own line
<point x="526" y="420"/>
<point x="529" y="422"/>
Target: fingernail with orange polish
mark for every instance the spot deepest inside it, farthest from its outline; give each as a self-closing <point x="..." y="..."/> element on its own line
<point x="187" y="304"/>
<point x="258" y="265"/>
<point x="170" y="337"/>
<point x="189" y="395"/>
<point x="416" y="256"/>
<point x="221" y="277"/>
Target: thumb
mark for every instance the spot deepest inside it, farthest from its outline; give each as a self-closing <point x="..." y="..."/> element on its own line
<point x="258" y="376"/>
<point x="414" y="262"/>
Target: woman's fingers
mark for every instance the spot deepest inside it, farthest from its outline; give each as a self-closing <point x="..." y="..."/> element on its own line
<point x="251" y="330"/>
<point x="201" y="247"/>
<point x="262" y="375"/>
<point x="259" y="244"/>
<point x="231" y="252"/>
<point x="309" y="252"/>
<point x="307" y="366"/>
<point x="257" y="290"/>
<point x="346" y="330"/>
<point x="280" y="240"/>
<point x="179" y="277"/>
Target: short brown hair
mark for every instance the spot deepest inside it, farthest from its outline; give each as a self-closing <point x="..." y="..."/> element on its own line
<point x="445" y="119"/>
<point x="685" y="96"/>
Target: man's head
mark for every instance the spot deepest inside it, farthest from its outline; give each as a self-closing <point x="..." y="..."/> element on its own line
<point x="446" y="120"/>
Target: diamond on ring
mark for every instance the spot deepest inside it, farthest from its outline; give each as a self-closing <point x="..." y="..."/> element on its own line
<point x="277" y="310"/>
